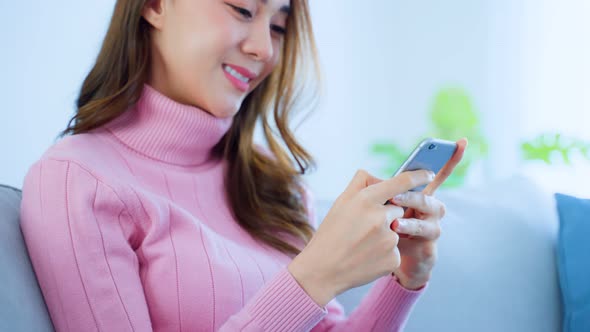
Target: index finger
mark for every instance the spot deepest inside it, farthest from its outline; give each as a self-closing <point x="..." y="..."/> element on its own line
<point x="447" y="169"/>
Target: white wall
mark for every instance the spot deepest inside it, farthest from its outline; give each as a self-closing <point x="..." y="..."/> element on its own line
<point x="382" y="61"/>
<point x="48" y="48"/>
<point x="555" y="73"/>
<point x="556" y="46"/>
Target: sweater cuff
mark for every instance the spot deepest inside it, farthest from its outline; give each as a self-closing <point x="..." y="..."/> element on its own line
<point x="283" y="305"/>
<point x="392" y="302"/>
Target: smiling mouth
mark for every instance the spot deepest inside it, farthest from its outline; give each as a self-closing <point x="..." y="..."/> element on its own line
<point x="235" y="74"/>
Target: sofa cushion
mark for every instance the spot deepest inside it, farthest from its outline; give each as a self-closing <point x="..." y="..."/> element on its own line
<point x="573" y="260"/>
<point x="22" y="307"/>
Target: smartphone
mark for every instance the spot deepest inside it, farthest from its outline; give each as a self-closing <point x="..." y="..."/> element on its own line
<point x="431" y="154"/>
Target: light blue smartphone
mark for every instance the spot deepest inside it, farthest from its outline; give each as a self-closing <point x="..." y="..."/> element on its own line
<point x="431" y="154"/>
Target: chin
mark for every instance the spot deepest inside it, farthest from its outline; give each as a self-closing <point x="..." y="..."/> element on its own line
<point x="228" y="108"/>
<point x="224" y="111"/>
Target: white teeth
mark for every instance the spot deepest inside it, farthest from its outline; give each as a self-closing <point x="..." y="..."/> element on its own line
<point x="235" y="74"/>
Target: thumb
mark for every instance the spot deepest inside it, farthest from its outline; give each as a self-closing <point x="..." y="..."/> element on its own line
<point x="360" y="181"/>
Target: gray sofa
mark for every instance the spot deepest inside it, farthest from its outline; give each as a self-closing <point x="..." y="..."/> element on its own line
<point x="496" y="268"/>
<point x="21" y="303"/>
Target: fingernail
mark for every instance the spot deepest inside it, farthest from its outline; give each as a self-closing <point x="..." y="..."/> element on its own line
<point x="431" y="175"/>
<point x="393" y="225"/>
<point x="400" y="198"/>
<point x="401" y="224"/>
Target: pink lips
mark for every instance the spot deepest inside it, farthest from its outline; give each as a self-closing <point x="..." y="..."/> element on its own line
<point x="240" y="85"/>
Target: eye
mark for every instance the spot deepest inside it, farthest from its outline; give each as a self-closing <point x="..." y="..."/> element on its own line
<point x="242" y="11"/>
<point x="278" y="29"/>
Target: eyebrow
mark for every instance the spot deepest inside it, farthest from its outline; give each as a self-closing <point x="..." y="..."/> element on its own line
<point x="285" y="9"/>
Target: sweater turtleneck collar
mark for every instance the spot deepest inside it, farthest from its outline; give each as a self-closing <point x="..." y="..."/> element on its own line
<point x="168" y="131"/>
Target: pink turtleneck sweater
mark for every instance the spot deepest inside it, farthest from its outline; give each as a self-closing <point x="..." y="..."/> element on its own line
<point x="128" y="229"/>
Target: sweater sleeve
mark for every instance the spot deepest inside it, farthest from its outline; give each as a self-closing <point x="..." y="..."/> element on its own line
<point x="386" y="307"/>
<point x="283" y="305"/>
<point x="78" y="234"/>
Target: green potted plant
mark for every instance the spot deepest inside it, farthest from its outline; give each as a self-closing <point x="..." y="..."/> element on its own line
<point x="547" y="147"/>
<point x="452" y="116"/>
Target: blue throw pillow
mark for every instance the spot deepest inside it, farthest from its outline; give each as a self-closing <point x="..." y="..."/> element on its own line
<point x="573" y="261"/>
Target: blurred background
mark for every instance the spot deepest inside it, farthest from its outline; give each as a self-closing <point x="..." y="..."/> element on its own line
<point x="510" y="75"/>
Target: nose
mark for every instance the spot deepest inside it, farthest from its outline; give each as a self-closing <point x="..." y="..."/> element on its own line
<point x="258" y="44"/>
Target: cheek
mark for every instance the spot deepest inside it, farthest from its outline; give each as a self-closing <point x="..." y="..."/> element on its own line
<point x="268" y="69"/>
<point x="200" y="42"/>
<point x="274" y="62"/>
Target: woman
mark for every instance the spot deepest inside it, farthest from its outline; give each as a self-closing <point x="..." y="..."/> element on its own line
<point x="157" y="211"/>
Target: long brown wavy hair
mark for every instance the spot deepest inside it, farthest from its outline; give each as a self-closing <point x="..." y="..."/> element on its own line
<point x="265" y="190"/>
